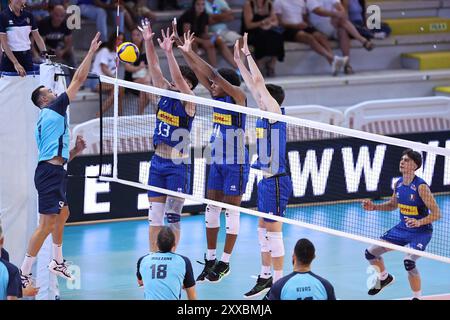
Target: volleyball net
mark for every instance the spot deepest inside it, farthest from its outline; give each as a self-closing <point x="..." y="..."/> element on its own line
<point x="332" y="168"/>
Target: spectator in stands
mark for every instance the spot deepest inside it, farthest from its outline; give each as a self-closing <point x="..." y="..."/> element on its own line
<point x="57" y="37"/>
<point x="302" y="284"/>
<point x="356" y="10"/>
<point x="162" y="4"/>
<point x="264" y="33"/>
<point x="139" y="10"/>
<point x="105" y="64"/>
<point x="97" y="10"/>
<point x="291" y="15"/>
<point x="16" y="24"/>
<point x="330" y="18"/>
<point x="138" y="71"/>
<point x="196" y="19"/>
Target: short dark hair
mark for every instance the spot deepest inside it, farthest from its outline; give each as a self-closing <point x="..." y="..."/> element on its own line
<point x="36" y="95"/>
<point x="230" y="75"/>
<point x="304" y="251"/>
<point x="276" y="92"/>
<point x="166" y="239"/>
<point x="190" y="75"/>
<point x="414" y="156"/>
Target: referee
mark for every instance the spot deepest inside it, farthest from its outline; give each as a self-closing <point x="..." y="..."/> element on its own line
<point x="164" y="273"/>
<point x="16" y="24"/>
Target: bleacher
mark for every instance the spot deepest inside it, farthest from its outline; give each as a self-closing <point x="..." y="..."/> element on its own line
<point x="412" y="62"/>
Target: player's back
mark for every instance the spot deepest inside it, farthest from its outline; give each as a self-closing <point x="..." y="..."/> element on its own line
<point x="302" y="286"/>
<point x="163" y="275"/>
<point x="9" y="280"/>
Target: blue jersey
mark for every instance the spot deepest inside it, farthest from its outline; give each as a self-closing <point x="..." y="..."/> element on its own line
<point x="164" y="275"/>
<point x="410" y="203"/>
<point x="271" y="146"/>
<point x="229" y="127"/>
<point x="171" y="115"/>
<point x="10" y="283"/>
<point x="52" y="130"/>
<point x="301" y="286"/>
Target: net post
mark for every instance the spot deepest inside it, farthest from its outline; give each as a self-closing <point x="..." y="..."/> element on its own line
<point x="115" y="135"/>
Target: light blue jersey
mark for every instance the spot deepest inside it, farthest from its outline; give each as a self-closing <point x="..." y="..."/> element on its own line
<point x="301" y="286"/>
<point x="164" y="275"/>
<point x="10" y="283"/>
<point x="52" y="130"/>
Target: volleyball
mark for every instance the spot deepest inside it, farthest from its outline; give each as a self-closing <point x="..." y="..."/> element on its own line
<point x="128" y="52"/>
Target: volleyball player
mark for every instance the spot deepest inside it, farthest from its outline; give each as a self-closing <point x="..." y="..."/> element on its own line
<point x="52" y="136"/>
<point x="418" y="209"/>
<point x="170" y="168"/>
<point x="275" y="188"/>
<point x="228" y="172"/>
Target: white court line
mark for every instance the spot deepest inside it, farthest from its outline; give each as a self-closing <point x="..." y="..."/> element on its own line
<point x="444" y="296"/>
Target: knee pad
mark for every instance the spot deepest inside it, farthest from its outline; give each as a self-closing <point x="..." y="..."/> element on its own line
<point x="410" y="266"/>
<point x="156" y="214"/>
<point x="276" y="244"/>
<point x="369" y="256"/>
<point x="263" y="240"/>
<point x="212" y="216"/>
<point x="232" y="221"/>
<point x="173" y="209"/>
<point x="374" y="252"/>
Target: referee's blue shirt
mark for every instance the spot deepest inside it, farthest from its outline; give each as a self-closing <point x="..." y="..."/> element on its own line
<point x="301" y="286"/>
<point x="164" y="275"/>
<point x="52" y="130"/>
<point x="10" y="283"/>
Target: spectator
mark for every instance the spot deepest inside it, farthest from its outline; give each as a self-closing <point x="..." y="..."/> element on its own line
<point x="356" y="10"/>
<point x="330" y="18"/>
<point x="57" y="37"/>
<point x="16" y="24"/>
<point x="139" y="10"/>
<point x="302" y="284"/>
<point x="264" y="34"/>
<point x="138" y="71"/>
<point x="162" y="4"/>
<point x="164" y="273"/>
<point x="39" y="8"/>
<point x="196" y="19"/>
<point x="105" y="64"/>
<point x="291" y="15"/>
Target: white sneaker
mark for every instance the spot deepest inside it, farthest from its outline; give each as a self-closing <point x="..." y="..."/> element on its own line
<point x="25" y="279"/>
<point x="60" y="269"/>
<point x="337" y="64"/>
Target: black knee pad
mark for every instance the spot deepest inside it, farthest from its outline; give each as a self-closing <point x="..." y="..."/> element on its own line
<point x="369" y="256"/>
<point x="409" y="264"/>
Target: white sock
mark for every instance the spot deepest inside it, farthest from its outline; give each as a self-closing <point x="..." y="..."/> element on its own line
<point x="27" y="264"/>
<point x="417" y="294"/>
<point x="57" y="253"/>
<point x="211" y="254"/>
<point x="383" y="275"/>
<point x="225" y="257"/>
<point x="277" y="274"/>
<point x="266" y="272"/>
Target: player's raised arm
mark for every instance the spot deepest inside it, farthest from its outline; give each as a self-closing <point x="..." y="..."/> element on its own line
<point x="83" y="70"/>
<point x="435" y="213"/>
<point x="246" y="75"/>
<point x="154" y="68"/>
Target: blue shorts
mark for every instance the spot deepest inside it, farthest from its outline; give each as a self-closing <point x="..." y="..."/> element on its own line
<point x="167" y="175"/>
<point x="273" y="195"/>
<point x="400" y="236"/>
<point x="231" y="179"/>
<point x="51" y="183"/>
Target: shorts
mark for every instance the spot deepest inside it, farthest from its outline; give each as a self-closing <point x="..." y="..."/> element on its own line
<point x="289" y="34"/>
<point x="274" y="194"/>
<point x="51" y="183"/>
<point x="229" y="36"/>
<point x="166" y="174"/>
<point x="25" y="59"/>
<point x="231" y="179"/>
<point x="325" y="26"/>
<point x="400" y="236"/>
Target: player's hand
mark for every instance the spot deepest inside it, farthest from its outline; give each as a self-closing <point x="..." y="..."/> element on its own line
<point x="80" y="145"/>
<point x="176" y="37"/>
<point x="368" y="205"/>
<point x="245" y="49"/>
<point x="20" y="70"/>
<point x="30" y="291"/>
<point x="237" y="52"/>
<point x="146" y="29"/>
<point x="95" y="43"/>
<point x="412" y="223"/>
<point x="188" y="41"/>
<point x="167" y="40"/>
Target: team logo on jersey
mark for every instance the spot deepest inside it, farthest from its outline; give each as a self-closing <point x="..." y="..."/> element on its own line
<point x="180" y="189"/>
<point x="397" y="195"/>
<point x="224" y="119"/>
<point x="169" y="118"/>
<point x="61" y="204"/>
<point x="233" y="187"/>
<point x="10" y="22"/>
<point x="27" y="20"/>
<point x="420" y="246"/>
<point x="413" y="187"/>
<point x="412" y="197"/>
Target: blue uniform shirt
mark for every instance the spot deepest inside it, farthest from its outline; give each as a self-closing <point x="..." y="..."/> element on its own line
<point x="271" y="146"/>
<point x="164" y="275"/>
<point x="410" y="204"/>
<point x="301" y="286"/>
<point x="10" y="283"/>
<point x="225" y="123"/>
<point x="171" y="115"/>
<point x="52" y="130"/>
